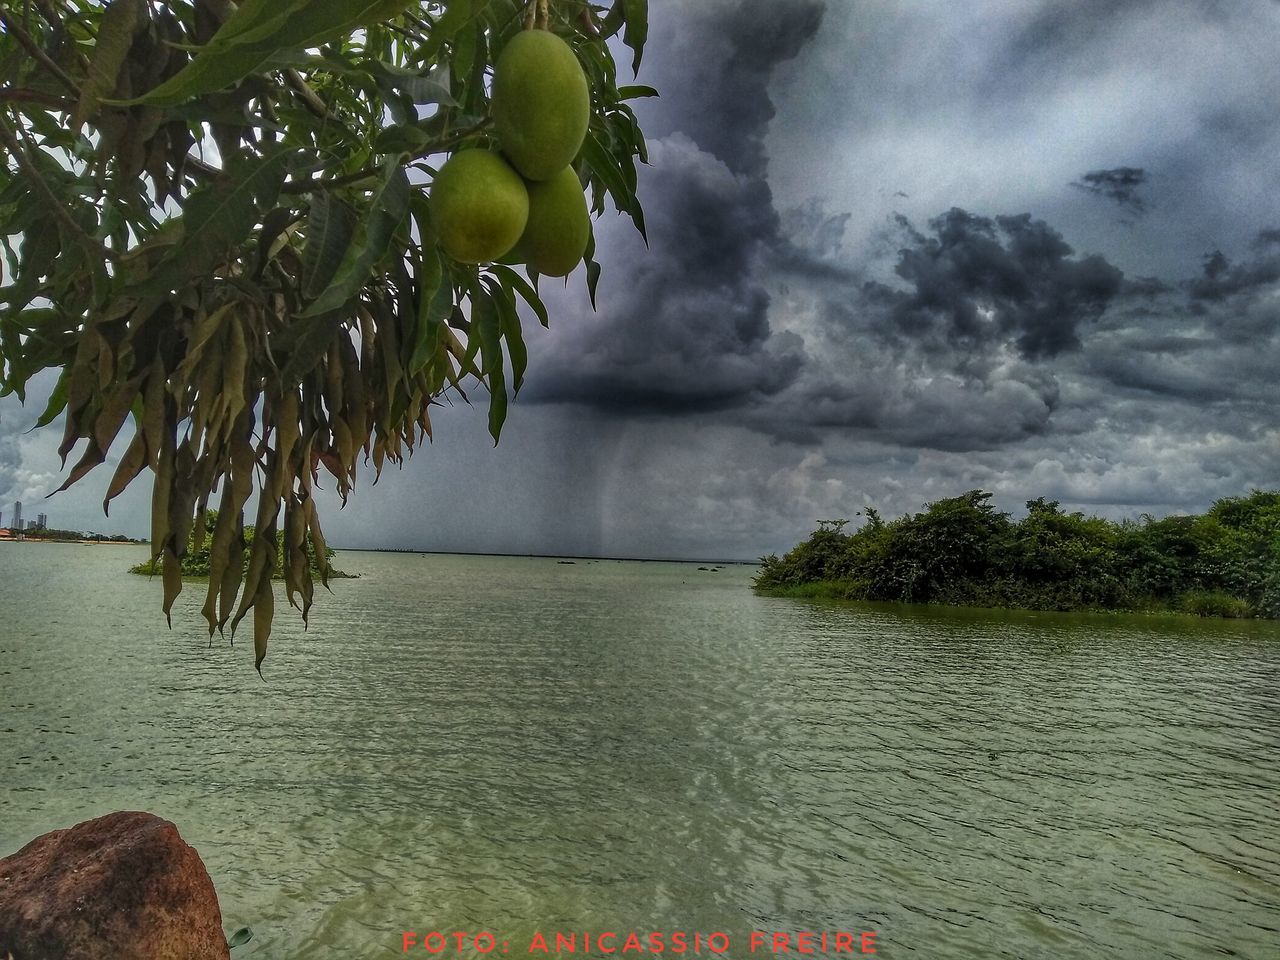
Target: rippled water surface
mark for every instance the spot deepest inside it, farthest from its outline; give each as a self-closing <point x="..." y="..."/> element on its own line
<point x="511" y="745"/>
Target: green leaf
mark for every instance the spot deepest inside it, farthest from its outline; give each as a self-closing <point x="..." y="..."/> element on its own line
<point x="455" y="15"/>
<point x="485" y="315"/>
<point x="402" y="138"/>
<point x="434" y="301"/>
<point x="604" y="166"/>
<point x="330" y="224"/>
<point x="513" y="280"/>
<point x="387" y="211"/>
<point x="208" y="72"/>
<point x="636" y="92"/>
<point x="636" y="32"/>
<point x="421" y="88"/>
<point x="306" y="341"/>
<point x="593" y="268"/>
<point x="57" y="400"/>
<point x="249" y="18"/>
<point x="509" y="325"/>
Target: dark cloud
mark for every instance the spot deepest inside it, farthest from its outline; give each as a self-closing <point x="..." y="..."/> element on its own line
<point x="684" y="326"/>
<point x="723" y="53"/>
<point x="1221" y="278"/>
<point x="1266" y="238"/>
<point x="1055" y="30"/>
<point x="977" y="282"/>
<point x="1119" y="184"/>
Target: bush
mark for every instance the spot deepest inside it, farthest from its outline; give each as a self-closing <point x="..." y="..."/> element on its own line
<point x="1215" y="603"/>
<point x="962" y="551"/>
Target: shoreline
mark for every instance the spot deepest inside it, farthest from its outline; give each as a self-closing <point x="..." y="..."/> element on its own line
<point x="834" y="591"/>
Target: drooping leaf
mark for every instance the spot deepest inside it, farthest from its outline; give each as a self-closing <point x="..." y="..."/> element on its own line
<point x="509" y="327"/>
<point x="636" y="31"/>
<point x="489" y="335"/>
<point x="514" y="281"/>
<point x="115" y="37"/>
<point x="330" y="225"/>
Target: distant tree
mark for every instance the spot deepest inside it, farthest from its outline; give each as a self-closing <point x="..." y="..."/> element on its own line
<point x="952" y="539"/>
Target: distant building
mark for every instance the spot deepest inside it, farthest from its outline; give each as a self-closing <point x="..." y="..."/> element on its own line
<point x="17" y="515"/>
<point x="42" y="521"/>
<point x="31" y="525"/>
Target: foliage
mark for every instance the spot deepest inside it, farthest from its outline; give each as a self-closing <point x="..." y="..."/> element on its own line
<point x="74" y="536"/>
<point x="214" y="220"/>
<point x="1225" y="563"/>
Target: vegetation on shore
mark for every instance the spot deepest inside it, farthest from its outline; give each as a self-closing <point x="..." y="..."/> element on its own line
<point x="962" y="551"/>
<point x="73" y="536"/>
<point x="197" y="562"/>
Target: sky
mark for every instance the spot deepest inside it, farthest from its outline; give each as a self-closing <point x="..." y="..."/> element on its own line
<point x="897" y="251"/>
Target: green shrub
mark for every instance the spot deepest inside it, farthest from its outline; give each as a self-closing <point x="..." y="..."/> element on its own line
<point x="1215" y="603"/>
<point x="962" y="551"/>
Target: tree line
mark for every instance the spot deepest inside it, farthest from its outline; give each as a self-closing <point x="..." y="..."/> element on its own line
<point x="963" y="551"/>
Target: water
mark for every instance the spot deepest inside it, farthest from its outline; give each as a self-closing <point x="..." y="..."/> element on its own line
<point x="516" y="745"/>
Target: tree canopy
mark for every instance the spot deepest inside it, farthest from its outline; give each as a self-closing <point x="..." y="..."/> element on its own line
<point x="961" y="550"/>
<point x="215" y="223"/>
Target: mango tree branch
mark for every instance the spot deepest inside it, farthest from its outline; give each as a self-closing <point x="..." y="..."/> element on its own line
<point x="56" y="205"/>
<point x="309" y="97"/>
<point x="16" y="30"/>
<point x="27" y="95"/>
<point x="440" y="146"/>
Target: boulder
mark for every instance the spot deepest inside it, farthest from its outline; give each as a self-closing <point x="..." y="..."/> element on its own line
<point x="124" y="886"/>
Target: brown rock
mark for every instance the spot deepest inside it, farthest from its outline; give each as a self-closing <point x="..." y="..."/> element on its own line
<point x="124" y="886"/>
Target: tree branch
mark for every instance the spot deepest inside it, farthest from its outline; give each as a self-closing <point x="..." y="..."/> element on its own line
<point x="27" y="95"/>
<point x="56" y="206"/>
<point x="33" y="48"/>
<point x="309" y="97"/>
<point x="306" y="186"/>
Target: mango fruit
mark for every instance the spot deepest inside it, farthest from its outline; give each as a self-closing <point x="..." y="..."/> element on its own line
<point x="555" y="236"/>
<point x="479" y="206"/>
<point x="541" y="104"/>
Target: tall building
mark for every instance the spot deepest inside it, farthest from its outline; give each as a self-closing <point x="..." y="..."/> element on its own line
<point x="42" y="521"/>
<point x="17" y="515"/>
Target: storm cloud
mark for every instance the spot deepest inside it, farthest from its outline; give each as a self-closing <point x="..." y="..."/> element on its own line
<point x="977" y="281"/>
<point x="1119" y="184"/>
<point x="684" y="325"/>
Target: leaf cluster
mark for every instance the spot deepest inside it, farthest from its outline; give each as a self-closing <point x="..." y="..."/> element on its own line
<point x="214" y="224"/>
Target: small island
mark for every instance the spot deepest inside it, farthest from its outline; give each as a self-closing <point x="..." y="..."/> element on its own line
<point x="963" y="552"/>
<point x="195" y="564"/>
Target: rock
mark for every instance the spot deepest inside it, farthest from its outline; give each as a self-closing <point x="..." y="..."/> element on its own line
<point x="124" y="886"/>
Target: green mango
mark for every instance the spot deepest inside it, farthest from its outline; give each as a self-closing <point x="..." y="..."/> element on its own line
<point x="541" y="104"/>
<point x="479" y="206"/>
<point x="555" y="236"/>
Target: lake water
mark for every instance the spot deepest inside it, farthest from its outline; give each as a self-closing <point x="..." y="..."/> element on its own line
<point x="517" y="745"/>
